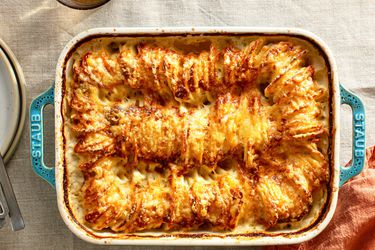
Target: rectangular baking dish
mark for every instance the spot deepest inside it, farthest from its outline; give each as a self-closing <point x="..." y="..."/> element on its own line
<point x="339" y="175"/>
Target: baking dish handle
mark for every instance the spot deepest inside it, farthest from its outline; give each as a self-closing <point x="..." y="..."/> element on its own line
<point x="36" y="136"/>
<point x="359" y="144"/>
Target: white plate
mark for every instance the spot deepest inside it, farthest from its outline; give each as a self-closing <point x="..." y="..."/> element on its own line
<point x="9" y="103"/>
<point x="12" y="101"/>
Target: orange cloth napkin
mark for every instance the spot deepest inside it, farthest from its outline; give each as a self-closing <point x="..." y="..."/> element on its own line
<point x="353" y="224"/>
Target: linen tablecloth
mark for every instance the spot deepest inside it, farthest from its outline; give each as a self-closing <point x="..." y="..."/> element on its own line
<point x="37" y="31"/>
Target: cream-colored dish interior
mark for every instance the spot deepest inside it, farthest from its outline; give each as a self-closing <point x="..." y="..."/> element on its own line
<point x="195" y="44"/>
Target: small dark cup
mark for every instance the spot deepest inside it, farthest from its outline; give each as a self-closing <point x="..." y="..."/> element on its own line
<point x="83" y="4"/>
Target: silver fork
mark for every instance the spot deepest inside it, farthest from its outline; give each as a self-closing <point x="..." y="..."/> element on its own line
<point x="9" y="199"/>
<point x="3" y="208"/>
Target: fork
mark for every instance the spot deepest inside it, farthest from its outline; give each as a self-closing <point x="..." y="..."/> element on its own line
<point x="8" y="201"/>
<point x="3" y="208"/>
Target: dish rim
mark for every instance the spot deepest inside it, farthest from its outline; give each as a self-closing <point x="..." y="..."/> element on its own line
<point x="287" y="238"/>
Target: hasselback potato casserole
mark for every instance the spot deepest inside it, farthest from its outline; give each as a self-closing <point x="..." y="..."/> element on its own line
<point x="209" y="133"/>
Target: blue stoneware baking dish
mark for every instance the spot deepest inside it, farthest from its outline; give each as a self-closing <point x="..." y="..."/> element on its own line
<point x="339" y="174"/>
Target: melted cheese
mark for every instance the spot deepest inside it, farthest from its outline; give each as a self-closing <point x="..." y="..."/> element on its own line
<point x="226" y="137"/>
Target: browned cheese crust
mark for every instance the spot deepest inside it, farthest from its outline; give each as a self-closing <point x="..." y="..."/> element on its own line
<point x="181" y="141"/>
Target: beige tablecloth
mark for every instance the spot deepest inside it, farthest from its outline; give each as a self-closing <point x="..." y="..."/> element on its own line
<point x="37" y="30"/>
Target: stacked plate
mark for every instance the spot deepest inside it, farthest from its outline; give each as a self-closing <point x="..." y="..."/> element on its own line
<point x="12" y="101"/>
<point x="12" y="119"/>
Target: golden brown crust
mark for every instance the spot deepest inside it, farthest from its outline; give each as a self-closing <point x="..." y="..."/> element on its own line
<point x="180" y="141"/>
